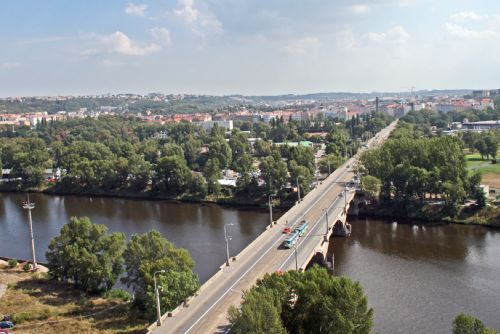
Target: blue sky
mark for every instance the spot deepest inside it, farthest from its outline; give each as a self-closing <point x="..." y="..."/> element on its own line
<point x="58" y="47"/>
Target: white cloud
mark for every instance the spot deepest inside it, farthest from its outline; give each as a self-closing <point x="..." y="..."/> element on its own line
<point x="467" y="16"/>
<point x="201" y="22"/>
<point x="462" y="32"/>
<point x="187" y="11"/>
<point x="161" y="35"/>
<point x="396" y="34"/>
<point x="302" y="45"/>
<point x="359" y="9"/>
<point x="9" y="65"/>
<point x="120" y="43"/>
<point x="136" y="10"/>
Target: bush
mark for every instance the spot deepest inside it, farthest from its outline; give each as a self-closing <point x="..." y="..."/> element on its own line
<point x="21" y="317"/>
<point x="12" y="263"/>
<point x="27" y="267"/>
<point x="119" y="294"/>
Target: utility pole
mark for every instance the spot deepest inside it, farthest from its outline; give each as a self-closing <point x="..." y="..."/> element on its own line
<point x="227" y="238"/>
<point x="30" y="206"/>
<point x="270" y="211"/>
<point x="329" y="172"/>
<point x="327" y="225"/>
<point x="157" y="298"/>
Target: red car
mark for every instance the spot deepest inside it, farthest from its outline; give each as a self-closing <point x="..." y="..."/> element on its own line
<point x="287" y="230"/>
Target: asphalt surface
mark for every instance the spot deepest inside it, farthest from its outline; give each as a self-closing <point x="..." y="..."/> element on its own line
<point x="207" y="312"/>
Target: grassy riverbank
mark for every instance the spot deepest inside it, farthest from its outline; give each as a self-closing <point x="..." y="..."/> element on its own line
<point x="40" y="305"/>
<point x="425" y="212"/>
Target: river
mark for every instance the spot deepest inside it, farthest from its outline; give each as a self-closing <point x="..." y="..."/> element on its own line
<point x="197" y="227"/>
<point x="419" y="277"/>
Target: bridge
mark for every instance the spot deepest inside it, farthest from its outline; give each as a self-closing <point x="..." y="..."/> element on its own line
<point x="325" y="207"/>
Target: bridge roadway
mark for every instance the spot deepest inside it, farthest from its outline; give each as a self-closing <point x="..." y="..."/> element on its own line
<point x="207" y="311"/>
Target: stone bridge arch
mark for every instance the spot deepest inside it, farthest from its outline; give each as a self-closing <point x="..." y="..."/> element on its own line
<point x="341" y="229"/>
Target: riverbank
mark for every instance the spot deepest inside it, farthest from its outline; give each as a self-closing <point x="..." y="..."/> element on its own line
<point x="233" y="202"/>
<point x="432" y="213"/>
<point x="40" y="305"/>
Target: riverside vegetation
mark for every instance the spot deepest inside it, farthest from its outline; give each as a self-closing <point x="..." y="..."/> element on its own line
<point x="417" y="174"/>
<point x="84" y="263"/>
<point x="118" y="156"/>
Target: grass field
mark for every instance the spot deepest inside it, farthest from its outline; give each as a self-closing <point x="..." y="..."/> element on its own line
<point x="489" y="171"/>
<point x="42" y="306"/>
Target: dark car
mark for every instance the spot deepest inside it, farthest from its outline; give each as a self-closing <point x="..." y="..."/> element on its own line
<point x="6" y="324"/>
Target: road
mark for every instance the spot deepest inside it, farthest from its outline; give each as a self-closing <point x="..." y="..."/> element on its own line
<point x="207" y="312"/>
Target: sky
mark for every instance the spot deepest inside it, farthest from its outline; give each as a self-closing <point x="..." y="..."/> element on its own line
<point x="250" y="47"/>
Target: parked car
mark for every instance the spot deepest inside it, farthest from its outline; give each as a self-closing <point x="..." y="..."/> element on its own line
<point x="287" y="230"/>
<point x="6" y="324"/>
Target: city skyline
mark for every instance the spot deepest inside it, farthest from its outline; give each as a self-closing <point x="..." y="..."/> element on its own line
<point x="239" y="47"/>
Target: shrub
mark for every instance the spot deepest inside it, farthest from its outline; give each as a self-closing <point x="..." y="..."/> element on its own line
<point x="27" y="267"/>
<point x="119" y="294"/>
<point x="21" y="317"/>
<point x="12" y="263"/>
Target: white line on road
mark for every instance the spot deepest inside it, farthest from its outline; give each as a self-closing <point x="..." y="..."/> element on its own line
<point x="260" y="258"/>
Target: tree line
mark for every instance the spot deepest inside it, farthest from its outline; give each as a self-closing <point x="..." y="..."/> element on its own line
<point x="116" y="155"/>
<point x="406" y="168"/>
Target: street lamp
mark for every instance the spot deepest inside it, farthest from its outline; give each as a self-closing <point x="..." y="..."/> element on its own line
<point x="296" y="260"/>
<point x="270" y="210"/>
<point x="30" y="206"/>
<point x="157" y="295"/>
<point x="298" y="188"/>
<point x="327" y="226"/>
<point x="227" y="238"/>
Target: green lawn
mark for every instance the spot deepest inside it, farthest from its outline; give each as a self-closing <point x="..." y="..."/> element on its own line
<point x="474" y="162"/>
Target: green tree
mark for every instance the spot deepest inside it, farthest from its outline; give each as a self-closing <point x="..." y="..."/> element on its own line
<point x="274" y="171"/>
<point x="85" y="255"/>
<point x="303" y="175"/>
<point x="170" y="149"/>
<point x="148" y="253"/>
<point x="212" y="173"/>
<point x="172" y="175"/>
<point x="466" y="324"/>
<point x="333" y="160"/>
<point x="258" y="314"/>
<point x="371" y="187"/>
<point x="306" y="302"/>
<point x="29" y="161"/>
<point x="219" y="149"/>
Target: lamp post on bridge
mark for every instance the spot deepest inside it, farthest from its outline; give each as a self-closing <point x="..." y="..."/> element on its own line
<point x="327" y="224"/>
<point x="157" y="298"/>
<point x="227" y="238"/>
<point x="270" y="211"/>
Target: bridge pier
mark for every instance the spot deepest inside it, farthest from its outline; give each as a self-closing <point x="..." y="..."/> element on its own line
<point x="341" y="229"/>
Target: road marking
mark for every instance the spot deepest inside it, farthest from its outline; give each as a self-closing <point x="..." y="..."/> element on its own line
<point x="265" y="253"/>
<point x="273" y="245"/>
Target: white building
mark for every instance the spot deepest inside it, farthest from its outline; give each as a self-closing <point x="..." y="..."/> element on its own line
<point x="208" y="125"/>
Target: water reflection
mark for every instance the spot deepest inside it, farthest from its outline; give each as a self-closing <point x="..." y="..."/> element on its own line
<point x="199" y="228"/>
<point x="418" y="277"/>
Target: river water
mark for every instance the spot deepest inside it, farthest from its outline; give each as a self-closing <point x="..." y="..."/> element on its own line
<point x="198" y="228"/>
<point x="419" y="277"/>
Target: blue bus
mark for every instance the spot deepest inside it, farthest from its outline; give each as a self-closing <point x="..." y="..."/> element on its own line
<point x="302" y="228"/>
<point x="291" y="240"/>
